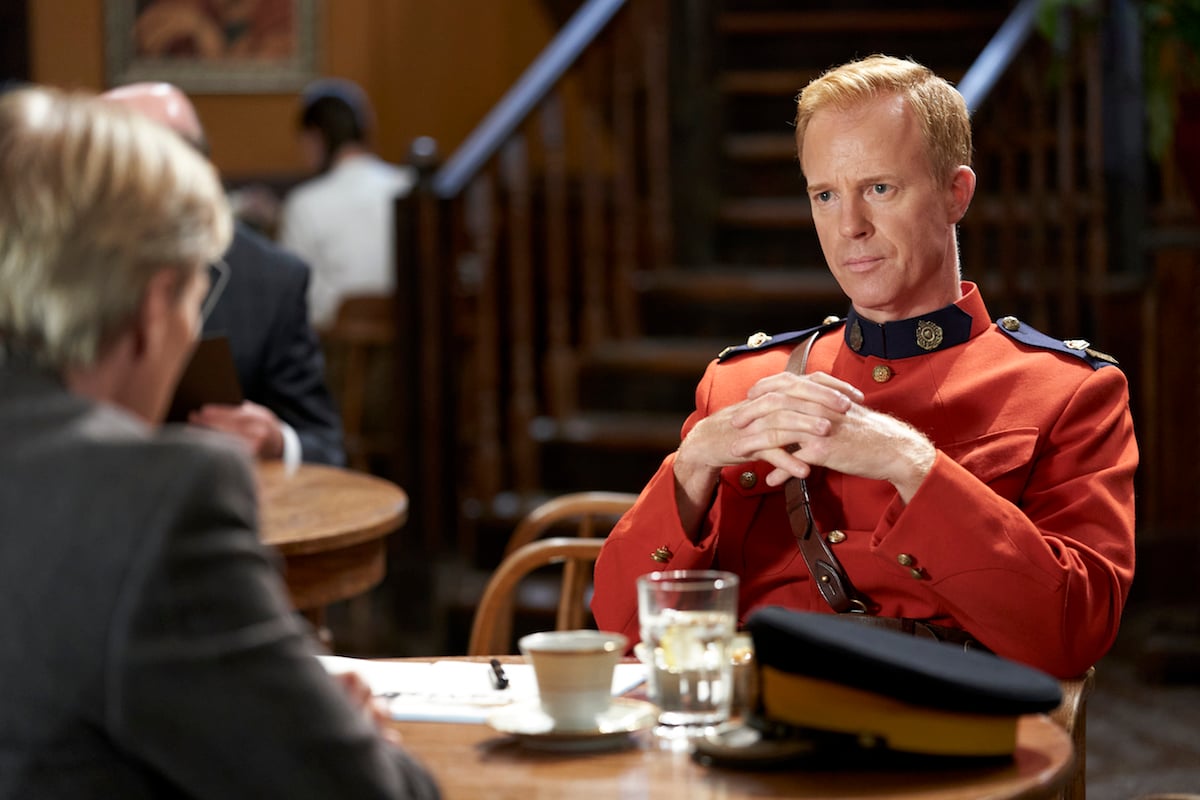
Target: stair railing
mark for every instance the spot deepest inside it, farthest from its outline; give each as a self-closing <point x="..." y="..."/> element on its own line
<point x="517" y="255"/>
<point x="1036" y="237"/>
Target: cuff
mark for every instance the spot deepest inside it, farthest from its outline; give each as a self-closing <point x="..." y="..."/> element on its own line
<point x="291" y="448"/>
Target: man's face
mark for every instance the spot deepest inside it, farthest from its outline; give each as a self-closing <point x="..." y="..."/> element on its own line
<point x="886" y="226"/>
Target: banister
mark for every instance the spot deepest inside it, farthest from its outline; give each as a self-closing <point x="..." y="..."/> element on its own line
<point x="580" y="31"/>
<point x="999" y="52"/>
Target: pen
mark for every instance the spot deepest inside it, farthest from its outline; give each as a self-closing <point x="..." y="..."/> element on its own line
<point x="499" y="679"/>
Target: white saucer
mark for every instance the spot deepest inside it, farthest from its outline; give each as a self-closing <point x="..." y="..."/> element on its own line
<point x="534" y="727"/>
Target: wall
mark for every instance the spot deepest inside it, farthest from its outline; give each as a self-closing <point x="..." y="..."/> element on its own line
<point x="432" y="68"/>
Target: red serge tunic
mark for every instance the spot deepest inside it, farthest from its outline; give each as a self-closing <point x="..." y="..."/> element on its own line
<point x="1022" y="534"/>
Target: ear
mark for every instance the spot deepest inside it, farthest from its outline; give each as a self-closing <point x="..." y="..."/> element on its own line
<point x="151" y="318"/>
<point x="962" y="189"/>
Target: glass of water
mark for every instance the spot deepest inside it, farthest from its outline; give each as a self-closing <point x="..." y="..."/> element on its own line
<point x="688" y="619"/>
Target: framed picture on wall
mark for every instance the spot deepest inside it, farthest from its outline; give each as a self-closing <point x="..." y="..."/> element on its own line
<point x="217" y="46"/>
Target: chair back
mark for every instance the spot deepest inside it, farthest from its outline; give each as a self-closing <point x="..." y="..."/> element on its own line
<point x="592" y="513"/>
<point x="1071" y="714"/>
<point x="491" y="631"/>
<point x="357" y="349"/>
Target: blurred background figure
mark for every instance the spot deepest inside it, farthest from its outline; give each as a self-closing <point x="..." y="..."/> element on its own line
<point x="148" y="641"/>
<point x="263" y="310"/>
<point x="341" y="221"/>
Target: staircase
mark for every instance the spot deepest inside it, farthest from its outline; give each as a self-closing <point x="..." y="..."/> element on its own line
<point x="751" y="259"/>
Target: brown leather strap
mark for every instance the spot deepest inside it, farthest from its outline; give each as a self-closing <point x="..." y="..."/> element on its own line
<point x="832" y="581"/>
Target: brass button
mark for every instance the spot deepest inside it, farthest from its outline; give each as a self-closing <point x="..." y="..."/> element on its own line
<point x="916" y="573"/>
<point x="662" y="555"/>
<point x="929" y="335"/>
<point x="905" y="560"/>
<point x="1010" y="324"/>
<point x="836" y="537"/>
<point x="748" y="479"/>
<point x="758" y="339"/>
<point x="882" y="373"/>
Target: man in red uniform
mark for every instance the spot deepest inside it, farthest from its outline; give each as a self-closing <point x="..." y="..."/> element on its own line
<point x="972" y="474"/>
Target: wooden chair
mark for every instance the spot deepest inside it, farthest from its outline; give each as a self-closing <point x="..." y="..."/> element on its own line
<point x="356" y="345"/>
<point x="1071" y="714"/>
<point x="591" y="513"/>
<point x="578" y="515"/>
<point x="491" y="631"/>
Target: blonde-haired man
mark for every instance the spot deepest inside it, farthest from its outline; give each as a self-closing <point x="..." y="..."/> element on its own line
<point x="973" y="479"/>
<point x="148" y="647"/>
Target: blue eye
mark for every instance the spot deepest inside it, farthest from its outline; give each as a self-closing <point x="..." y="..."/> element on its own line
<point x="823" y="197"/>
<point x="880" y="188"/>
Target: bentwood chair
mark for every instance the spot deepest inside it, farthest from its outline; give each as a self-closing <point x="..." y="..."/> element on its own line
<point x="491" y="631"/>
<point x="579" y="515"/>
<point x="590" y="514"/>
<point x="1071" y="714"/>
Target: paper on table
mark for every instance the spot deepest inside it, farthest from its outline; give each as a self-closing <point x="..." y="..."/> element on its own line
<point x="454" y="691"/>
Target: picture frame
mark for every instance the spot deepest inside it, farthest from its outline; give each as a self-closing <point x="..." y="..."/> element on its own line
<point x="213" y="46"/>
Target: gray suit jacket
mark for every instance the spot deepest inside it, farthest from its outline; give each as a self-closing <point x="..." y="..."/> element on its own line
<point x="147" y="648"/>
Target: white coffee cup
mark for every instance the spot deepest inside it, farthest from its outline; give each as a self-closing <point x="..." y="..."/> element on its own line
<point x="574" y="671"/>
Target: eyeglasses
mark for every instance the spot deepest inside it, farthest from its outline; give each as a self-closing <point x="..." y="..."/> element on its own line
<point x="216" y="286"/>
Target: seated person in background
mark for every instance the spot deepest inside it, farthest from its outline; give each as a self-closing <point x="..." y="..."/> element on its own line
<point x="149" y="649"/>
<point x="341" y="222"/>
<point x="971" y="475"/>
<point x="263" y="310"/>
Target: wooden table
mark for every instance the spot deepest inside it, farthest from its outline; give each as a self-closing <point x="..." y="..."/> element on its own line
<point x="474" y="761"/>
<point x="330" y="525"/>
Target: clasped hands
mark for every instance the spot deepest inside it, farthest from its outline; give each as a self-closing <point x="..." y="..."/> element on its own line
<point x="795" y="422"/>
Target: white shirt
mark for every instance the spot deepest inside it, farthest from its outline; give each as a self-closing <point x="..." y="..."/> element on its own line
<point x="342" y="224"/>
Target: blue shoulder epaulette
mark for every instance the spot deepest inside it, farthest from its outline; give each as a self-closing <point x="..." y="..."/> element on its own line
<point x="762" y="341"/>
<point x="1079" y="348"/>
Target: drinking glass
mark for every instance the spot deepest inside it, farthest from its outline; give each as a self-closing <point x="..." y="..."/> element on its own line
<point x="688" y="619"/>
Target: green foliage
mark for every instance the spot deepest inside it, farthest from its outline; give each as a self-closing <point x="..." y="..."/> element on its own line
<point x="1170" y="51"/>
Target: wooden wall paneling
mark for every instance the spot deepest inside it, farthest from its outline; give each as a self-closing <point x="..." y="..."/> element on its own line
<point x="1172" y="438"/>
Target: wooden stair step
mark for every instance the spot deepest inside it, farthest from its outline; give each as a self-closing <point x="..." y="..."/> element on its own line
<point x="857" y="21"/>
<point x="766" y="212"/>
<point x="756" y="285"/>
<point x="789" y="82"/>
<point x="658" y="355"/>
<point x="612" y="431"/>
<point x="759" y="148"/>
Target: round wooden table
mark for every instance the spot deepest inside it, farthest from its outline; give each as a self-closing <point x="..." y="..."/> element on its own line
<point x="474" y="761"/>
<point x="330" y="525"/>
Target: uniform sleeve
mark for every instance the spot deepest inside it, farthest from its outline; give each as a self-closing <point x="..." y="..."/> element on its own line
<point x="652" y="523"/>
<point x="1042" y="580"/>
<point x="211" y="679"/>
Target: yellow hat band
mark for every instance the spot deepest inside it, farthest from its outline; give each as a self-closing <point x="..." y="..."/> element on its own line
<point x="806" y="702"/>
